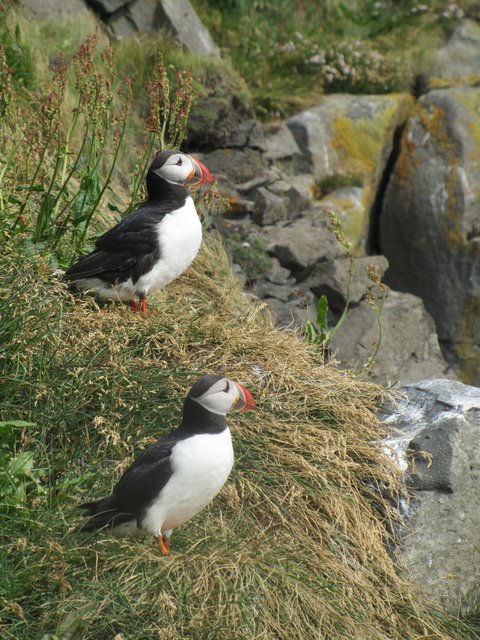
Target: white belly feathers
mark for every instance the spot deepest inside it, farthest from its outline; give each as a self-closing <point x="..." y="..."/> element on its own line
<point x="179" y="237"/>
<point x="201" y="465"/>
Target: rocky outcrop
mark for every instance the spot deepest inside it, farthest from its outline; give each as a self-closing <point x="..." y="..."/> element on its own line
<point x="457" y="62"/>
<point x="351" y="137"/>
<point x="429" y="224"/>
<point x="436" y="440"/>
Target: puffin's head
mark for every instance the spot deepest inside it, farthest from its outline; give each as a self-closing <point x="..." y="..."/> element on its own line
<point x="221" y="395"/>
<point x="179" y="168"/>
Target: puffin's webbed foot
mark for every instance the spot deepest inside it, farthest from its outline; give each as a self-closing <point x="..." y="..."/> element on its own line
<point x="163" y="545"/>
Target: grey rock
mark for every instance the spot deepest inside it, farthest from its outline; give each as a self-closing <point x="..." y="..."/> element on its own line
<point x="278" y="274"/>
<point x="68" y="10"/>
<point x="291" y="314"/>
<point x="249" y="133"/>
<point x="331" y="278"/>
<point x="182" y="20"/>
<point x="107" y="6"/>
<point x="436" y="440"/>
<point x="457" y="62"/>
<point x="409" y="349"/>
<point x="269" y="207"/>
<point x="430" y="220"/>
<point x="304" y="183"/>
<point x="267" y="177"/>
<point x="236" y="166"/>
<point x="351" y="136"/>
<point x="265" y="290"/>
<point x="276" y="202"/>
<point x="281" y="145"/>
<point x="302" y="243"/>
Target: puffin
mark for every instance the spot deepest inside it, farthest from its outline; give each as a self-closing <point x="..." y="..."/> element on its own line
<point x="179" y="475"/>
<point x="152" y="246"/>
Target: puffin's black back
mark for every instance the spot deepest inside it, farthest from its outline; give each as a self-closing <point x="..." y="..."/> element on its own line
<point x="130" y="248"/>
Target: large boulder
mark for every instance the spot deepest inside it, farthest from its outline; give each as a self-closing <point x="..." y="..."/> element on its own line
<point x="352" y="137"/>
<point x="430" y="220"/>
<point x="126" y="18"/>
<point x="408" y="343"/>
<point x="457" y="61"/>
<point x="436" y="440"/>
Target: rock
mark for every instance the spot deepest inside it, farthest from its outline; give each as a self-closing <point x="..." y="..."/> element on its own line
<point x="302" y="243"/>
<point x="351" y="136"/>
<point x="105" y="7"/>
<point x="429" y="227"/>
<point x="277" y="202"/>
<point x="409" y="349"/>
<point x="249" y="133"/>
<point x="304" y="183"/>
<point x="351" y="205"/>
<point x="269" y="207"/>
<point x="179" y="17"/>
<point x="330" y="279"/>
<point x="457" y="62"/>
<point x="435" y="437"/>
<point x="281" y="145"/>
<point x="294" y="313"/>
<point x="68" y="10"/>
<point x="235" y="165"/>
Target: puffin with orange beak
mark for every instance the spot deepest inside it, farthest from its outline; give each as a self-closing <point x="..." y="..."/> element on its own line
<point x="152" y="246"/>
<point x="177" y="477"/>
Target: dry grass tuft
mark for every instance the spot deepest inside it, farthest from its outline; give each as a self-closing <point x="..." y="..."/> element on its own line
<point x="294" y="547"/>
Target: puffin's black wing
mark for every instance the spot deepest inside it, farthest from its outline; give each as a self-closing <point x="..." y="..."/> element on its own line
<point x="128" y="249"/>
<point x="137" y="488"/>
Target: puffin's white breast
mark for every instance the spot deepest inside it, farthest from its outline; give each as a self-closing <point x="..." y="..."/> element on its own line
<point x="179" y="237"/>
<point x="201" y="465"/>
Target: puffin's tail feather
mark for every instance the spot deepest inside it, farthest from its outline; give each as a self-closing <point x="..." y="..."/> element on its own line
<point x="101" y="513"/>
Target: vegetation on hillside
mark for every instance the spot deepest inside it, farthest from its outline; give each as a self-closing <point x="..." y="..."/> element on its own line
<point x="295" y="545"/>
<point x="292" y="51"/>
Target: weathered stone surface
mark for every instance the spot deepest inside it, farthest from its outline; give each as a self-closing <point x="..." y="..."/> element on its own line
<point x="277" y="202"/>
<point x="352" y="207"/>
<point x="330" y="279"/>
<point x="352" y="136"/>
<point x="302" y="243"/>
<point x="430" y="220"/>
<point x="294" y="313"/>
<point x="281" y="145"/>
<point x="439" y="448"/>
<point x="237" y="166"/>
<point x="409" y="349"/>
<point x="68" y="10"/>
<point x="182" y="20"/>
<point x="457" y="62"/>
<point x="104" y="7"/>
<point x="249" y="133"/>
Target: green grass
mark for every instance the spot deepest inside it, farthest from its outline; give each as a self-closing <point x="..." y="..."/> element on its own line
<point x="294" y="545"/>
<point x="271" y="44"/>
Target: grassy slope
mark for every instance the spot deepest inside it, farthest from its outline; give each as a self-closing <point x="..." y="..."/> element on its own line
<point x="294" y="545"/>
<point x="292" y="548"/>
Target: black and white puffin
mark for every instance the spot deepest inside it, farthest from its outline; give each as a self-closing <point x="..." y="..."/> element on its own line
<point x="152" y="246"/>
<point x="175" y="478"/>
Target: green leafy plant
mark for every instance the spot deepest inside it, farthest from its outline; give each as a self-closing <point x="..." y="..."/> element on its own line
<point x="319" y="333"/>
<point x="54" y="171"/>
<point x="19" y="477"/>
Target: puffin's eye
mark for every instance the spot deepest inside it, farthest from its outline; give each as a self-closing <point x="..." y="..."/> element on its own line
<point x="179" y="162"/>
<point x="227" y="388"/>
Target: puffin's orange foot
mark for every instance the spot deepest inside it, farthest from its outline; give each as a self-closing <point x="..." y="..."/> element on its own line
<point x="134" y="306"/>
<point x="143" y="306"/>
<point x="163" y="545"/>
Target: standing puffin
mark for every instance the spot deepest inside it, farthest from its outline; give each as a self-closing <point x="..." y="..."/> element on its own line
<point x="152" y="246"/>
<point x="175" y="478"/>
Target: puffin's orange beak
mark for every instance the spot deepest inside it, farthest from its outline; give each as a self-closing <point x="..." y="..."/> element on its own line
<point x="245" y="401"/>
<point x="200" y="174"/>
